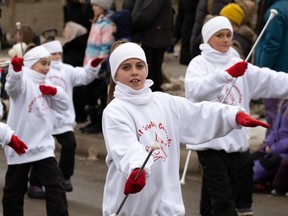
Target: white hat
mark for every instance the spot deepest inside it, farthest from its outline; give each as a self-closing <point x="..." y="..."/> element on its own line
<point x="105" y="4"/>
<point x="34" y="55"/>
<point x="123" y="52"/>
<point x="17" y="49"/>
<point x="53" y="46"/>
<point x="214" y="25"/>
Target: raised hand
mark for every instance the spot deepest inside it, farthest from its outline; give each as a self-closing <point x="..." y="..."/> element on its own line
<point x="17" y="63"/>
<point x="96" y="61"/>
<point x="238" y="69"/>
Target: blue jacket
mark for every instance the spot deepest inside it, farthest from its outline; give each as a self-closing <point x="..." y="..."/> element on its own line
<point x="272" y="49"/>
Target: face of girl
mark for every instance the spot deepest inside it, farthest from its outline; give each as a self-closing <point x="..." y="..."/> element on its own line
<point x="56" y="56"/>
<point x="221" y="40"/>
<point x="132" y="73"/>
<point x="42" y="66"/>
<point x="97" y="10"/>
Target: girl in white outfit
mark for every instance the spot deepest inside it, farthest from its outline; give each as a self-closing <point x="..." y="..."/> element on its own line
<point x="135" y="119"/>
<point x="208" y="77"/>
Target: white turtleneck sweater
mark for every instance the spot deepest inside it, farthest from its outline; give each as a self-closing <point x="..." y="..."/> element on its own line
<point x="207" y="80"/>
<point x="132" y="122"/>
<point x="30" y="114"/>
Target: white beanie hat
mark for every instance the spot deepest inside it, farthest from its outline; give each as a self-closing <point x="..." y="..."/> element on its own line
<point x="17" y="49"/>
<point x="123" y="52"/>
<point x="53" y="46"/>
<point x="105" y="4"/>
<point x="214" y="25"/>
<point x="34" y="55"/>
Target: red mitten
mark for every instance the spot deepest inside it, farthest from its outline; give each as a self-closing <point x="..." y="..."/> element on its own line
<point x="238" y="69"/>
<point x="48" y="90"/>
<point x="18" y="145"/>
<point x="96" y="61"/>
<point x="135" y="185"/>
<point x="246" y="120"/>
<point x="17" y="63"/>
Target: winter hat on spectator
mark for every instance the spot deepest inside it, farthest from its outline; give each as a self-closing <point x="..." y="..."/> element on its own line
<point x="214" y="25"/>
<point x="17" y="49"/>
<point x="34" y="55"/>
<point x="233" y="12"/>
<point x="53" y="46"/>
<point x="123" y="52"/>
<point x="106" y="4"/>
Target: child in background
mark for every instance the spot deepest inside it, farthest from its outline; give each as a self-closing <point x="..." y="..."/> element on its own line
<point x="209" y="77"/>
<point x="135" y="119"/>
<point x="32" y="99"/>
<point x="67" y="77"/>
<point x="98" y="45"/>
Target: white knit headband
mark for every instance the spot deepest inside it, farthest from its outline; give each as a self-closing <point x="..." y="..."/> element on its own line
<point x="122" y="53"/>
<point x="53" y="46"/>
<point x="34" y="55"/>
<point x="214" y="25"/>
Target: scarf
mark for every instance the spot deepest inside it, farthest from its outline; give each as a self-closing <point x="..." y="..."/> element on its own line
<point x="138" y="97"/>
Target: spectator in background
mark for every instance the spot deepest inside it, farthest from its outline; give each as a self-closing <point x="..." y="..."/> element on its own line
<point x="271" y="50"/>
<point x="152" y="28"/>
<point x="274" y="149"/>
<point x="74" y="44"/>
<point x="183" y="28"/>
<point x="243" y="36"/>
<point x="98" y="45"/>
<point x="78" y="14"/>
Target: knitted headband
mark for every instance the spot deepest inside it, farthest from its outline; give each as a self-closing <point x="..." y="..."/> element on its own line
<point x="214" y="25"/>
<point x="53" y="46"/>
<point x="34" y="55"/>
<point x="233" y="12"/>
<point x="122" y="53"/>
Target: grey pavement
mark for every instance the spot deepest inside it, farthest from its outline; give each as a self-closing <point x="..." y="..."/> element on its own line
<point x="89" y="177"/>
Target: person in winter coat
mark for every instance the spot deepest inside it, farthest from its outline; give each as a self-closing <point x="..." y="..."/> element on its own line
<point x="183" y="28"/>
<point x="67" y="77"/>
<point x="209" y="78"/>
<point x="152" y="27"/>
<point x="98" y="45"/>
<point x="32" y="98"/>
<point x="272" y="51"/>
<point x="136" y="119"/>
<point x="274" y="149"/>
<point x="74" y="44"/>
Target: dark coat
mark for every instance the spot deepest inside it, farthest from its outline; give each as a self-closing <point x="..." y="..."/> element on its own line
<point x="152" y="22"/>
<point x="183" y="27"/>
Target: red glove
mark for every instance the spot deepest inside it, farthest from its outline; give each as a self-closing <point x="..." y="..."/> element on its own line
<point x="134" y="186"/>
<point x="48" y="90"/>
<point x="17" y="63"/>
<point x="246" y="120"/>
<point x="17" y="145"/>
<point x="96" y="61"/>
<point x="238" y="69"/>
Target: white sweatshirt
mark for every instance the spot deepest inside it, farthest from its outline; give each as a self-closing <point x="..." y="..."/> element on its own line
<point x="134" y="121"/>
<point x="68" y="77"/>
<point x="207" y="80"/>
<point x="30" y="114"/>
